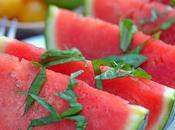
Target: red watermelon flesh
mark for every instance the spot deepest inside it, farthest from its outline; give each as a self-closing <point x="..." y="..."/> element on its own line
<point x="30" y="52"/>
<point x="102" y="110"/>
<point x="96" y="39"/>
<point x="147" y="93"/>
<point x="137" y="10"/>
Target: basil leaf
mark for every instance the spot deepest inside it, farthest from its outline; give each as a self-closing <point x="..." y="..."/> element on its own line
<point x="172" y="2"/>
<point x="127" y="30"/>
<point x="81" y="121"/>
<point x="157" y="35"/>
<point x="75" y="107"/>
<point x="108" y="61"/>
<point x="52" y="118"/>
<point x="44" y="121"/>
<point x="35" y="88"/>
<point x="46" y="105"/>
<point x="167" y="24"/>
<point x="53" y="57"/>
<point x="140" y="73"/>
<point x="154" y="16"/>
<point x="110" y="74"/>
<point x="133" y="59"/>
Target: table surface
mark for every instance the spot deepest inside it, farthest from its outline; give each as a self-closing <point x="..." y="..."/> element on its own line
<point x="40" y="42"/>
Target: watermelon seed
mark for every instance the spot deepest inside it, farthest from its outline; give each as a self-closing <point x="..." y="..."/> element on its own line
<point x="18" y="84"/>
<point x="12" y="74"/>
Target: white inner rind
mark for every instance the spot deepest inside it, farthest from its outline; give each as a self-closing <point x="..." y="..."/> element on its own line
<point x="89" y="7"/>
<point x="3" y="41"/>
<point x="168" y="103"/>
<point x="53" y="13"/>
<point x="137" y="118"/>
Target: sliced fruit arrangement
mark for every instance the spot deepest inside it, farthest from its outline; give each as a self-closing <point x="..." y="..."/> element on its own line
<point x="150" y="17"/>
<point x="158" y="98"/>
<point x="99" y="110"/>
<point x="30" y="52"/>
<point x="96" y="39"/>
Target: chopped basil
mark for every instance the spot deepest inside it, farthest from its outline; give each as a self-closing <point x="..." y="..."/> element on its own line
<point x="167" y="24"/>
<point x="96" y="63"/>
<point x="52" y="118"/>
<point x="53" y="57"/>
<point x="154" y="16"/>
<point x="121" y="70"/>
<point x="127" y="30"/>
<point x="133" y="59"/>
<point x="72" y="113"/>
<point x="157" y="35"/>
<point x="172" y="2"/>
<point x="35" y="88"/>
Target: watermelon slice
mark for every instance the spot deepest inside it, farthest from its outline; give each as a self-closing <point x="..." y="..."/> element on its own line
<point x="71" y="30"/>
<point x="149" y="17"/>
<point x="157" y="98"/>
<point x="30" y="52"/>
<point x="102" y="110"/>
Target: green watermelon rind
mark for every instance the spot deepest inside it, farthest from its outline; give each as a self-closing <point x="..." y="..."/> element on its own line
<point x="169" y="103"/>
<point x="138" y="118"/>
<point x="3" y="44"/>
<point x="88" y="10"/>
<point x="52" y="13"/>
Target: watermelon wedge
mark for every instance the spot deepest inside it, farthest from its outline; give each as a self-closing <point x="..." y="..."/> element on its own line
<point x="30" y="52"/>
<point x="150" y="17"/>
<point x="96" y="39"/>
<point x="157" y="98"/>
<point x="101" y="110"/>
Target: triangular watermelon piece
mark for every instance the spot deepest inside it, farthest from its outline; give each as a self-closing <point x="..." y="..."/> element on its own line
<point x="30" y="52"/>
<point x="157" y="98"/>
<point x="150" y="17"/>
<point x="101" y="110"/>
<point x="136" y="91"/>
<point x="96" y="39"/>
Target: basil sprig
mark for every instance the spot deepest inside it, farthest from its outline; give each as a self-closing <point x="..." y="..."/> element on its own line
<point x="73" y="113"/>
<point x="50" y="58"/>
<point x="121" y="70"/>
<point x="53" y="57"/>
<point x="127" y="30"/>
<point x="35" y="88"/>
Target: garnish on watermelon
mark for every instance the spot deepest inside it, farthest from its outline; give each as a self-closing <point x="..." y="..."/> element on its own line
<point x="92" y="44"/>
<point x="158" y="98"/>
<point x="32" y="53"/>
<point x="99" y="108"/>
<point x="150" y="17"/>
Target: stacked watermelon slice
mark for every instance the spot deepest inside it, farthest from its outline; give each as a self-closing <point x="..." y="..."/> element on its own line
<point x="150" y="17"/>
<point x="125" y="103"/>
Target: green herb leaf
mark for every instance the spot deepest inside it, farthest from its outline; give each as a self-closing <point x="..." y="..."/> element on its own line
<point x="44" y="121"/>
<point x="81" y="121"/>
<point x="133" y="59"/>
<point x="157" y="35"/>
<point x="172" y="2"/>
<point x="110" y="74"/>
<point x="75" y="107"/>
<point x="35" y="88"/>
<point x="154" y="17"/>
<point x="54" y="57"/>
<point x="127" y="30"/>
<point x="108" y="61"/>
<point x="121" y="70"/>
<point x="52" y="118"/>
<point x="140" y="73"/>
<point x="167" y="24"/>
<point x="46" y="105"/>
